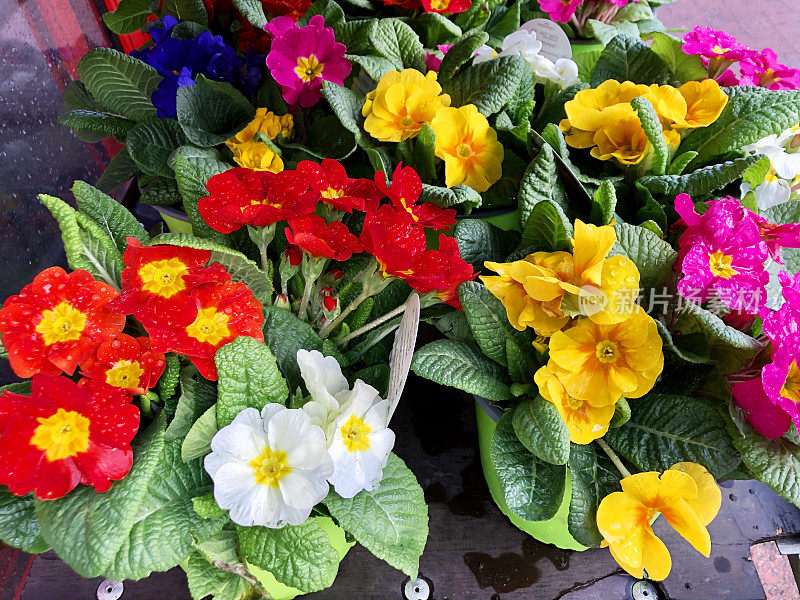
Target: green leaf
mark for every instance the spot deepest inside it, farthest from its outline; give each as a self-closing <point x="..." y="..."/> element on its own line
<point x="329" y="9"/>
<point x="540" y="182"/>
<point x="374" y="66"/>
<point x="160" y="192"/>
<point x="665" y="429"/>
<point x="684" y="67"/>
<point x="463" y="50"/>
<point x="424" y="156"/>
<point x="193" y="168"/>
<point x="622" y="412"/>
<point x="253" y="11"/>
<point x="593" y="478"/>
<point x="327" y="138"/>
<point x="449" y="197"/>
<point x="488" y="85"/>
<point x="630" y="59"/>
<point x="285" y="334"/>
<point x="168" y="383"/>
<point x="243" y="270"/>
<point x="206" y="580"/>
<point x="699" y="182"/>
<point x="18" y="524"/>
<point x="652" y="256"/>
<point x="103" y="124"/>
<point x="503" y="21"/>
<point x="391" y="521"/>
<point x="487" y="319"/>
<point x="119" y="170"/>
<point x="479" y="241"/>
<point x="211" y="112"/>
<point x="541" y="430"/>
<point x="130" y="16"/>
<point x="604" y="204"/>
<point x="166" y="523"/>
<point x="186" y="10"/>
<point x="113" y="218"/>
<point x="586" y="62"/>
<point x="248" y="378"/>
<point x="438" y="29"/>
<point x="87" y="529"/>
<point x="120" y="83"/>
<point x="299" y="556"/>
<point x="751" y="114"/>
<point x="547" y="228"/>
<point x="458" y="365"/>
<point x="680" y="162"/>
<point x="396" y="41"/>
<point x="87" y="246"/>
<point x="152" y="142"/>
<point x="605" y="32"/>
<point x="197" y="442"/>
<point x="197" y="396"/>
<point x="652" y="129"/>
<point x="533" y="490"/>
<point x="207" y="508"/>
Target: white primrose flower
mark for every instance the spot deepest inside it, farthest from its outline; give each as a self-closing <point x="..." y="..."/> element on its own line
<point x="564" y="71"/>
<point x="269" y="468"/>
<point x="521" y="42"/>
<point x="355" y="423"/>
<point x="771" y="192"/>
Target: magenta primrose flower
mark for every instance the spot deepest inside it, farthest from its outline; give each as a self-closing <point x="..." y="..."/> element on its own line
<point x="767" y="418"/>
<point x="721" y="252"/>
<point x="301" y="58"/>
<point x="764" y="70"/>
<point x="711" y="43"/>
<point x="432" y="61"/>
<point x="560" y="10"/>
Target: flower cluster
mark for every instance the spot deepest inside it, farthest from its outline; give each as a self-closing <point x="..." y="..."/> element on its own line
<point x="782" y="178"/>
<point x="604" y="120"/>
<point x="253" y="153"/>
<point x="404" y="102"/>
<point x="180" y="61"/>
<point x="578" y="12"/>
<point x="722" y="253"/>
<point x="602" y="345"/>
<point x="721" y="52"/>
<point x="442" y="7"/>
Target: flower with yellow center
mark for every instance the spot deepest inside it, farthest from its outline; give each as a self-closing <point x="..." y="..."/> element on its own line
<point x="401" y="104"/>
<point x="791" y="385"/>
<point x="584" y="421"/>
<point x="621" y="137"/>
<point x="256" y="155"/>
<point x="705" y="102"/>
<point x="269" y="468"/>
<point x="355" y="434"/>
<point x="586" y="110"/>
<point x="720" y="265"/>
<point x="469" y="147"/>
<point x="163" y="277"/>
<point x="125" y="374"/>
<point x="308" y="67"/>
<point x="688" y="498"/>
<point x="64" y="434"/>
<point x="62" y="323"/>
<point x="600" y="363"/>
<point x="209" y="327"/>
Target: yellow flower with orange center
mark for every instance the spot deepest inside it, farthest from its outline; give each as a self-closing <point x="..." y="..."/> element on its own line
<point x="469" y="147"/>
<point x="250" y="153"/>
<point x="600" y="363"/>
<point x="401" y="104"/>
<point x="62" y="323"/>
<point x="685" y="495"/>
<point x="585" y="422"/>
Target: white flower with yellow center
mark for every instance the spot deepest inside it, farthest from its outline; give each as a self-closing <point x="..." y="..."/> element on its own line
<point x="355" y="422"/>
<point x="269" y="468"/>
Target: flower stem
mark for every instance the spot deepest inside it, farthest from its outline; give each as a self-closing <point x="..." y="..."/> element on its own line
<point x="244" y="574"/>
<point x="614" y="458"/>
<point x="306" y="295"/>
<point x="373" y="324"/>
<point x="330" y="326"/>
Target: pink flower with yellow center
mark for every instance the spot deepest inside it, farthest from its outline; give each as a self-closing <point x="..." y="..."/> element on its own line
<point x="301" y="58"/>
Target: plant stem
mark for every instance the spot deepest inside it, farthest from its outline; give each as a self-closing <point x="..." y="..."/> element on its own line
<point x="614" y="458"/>
<point x="262" y="248"/>
<point x="244" y="574"/>
<point x="373" y="324"/>
<point x="309" y="283"/>
<point x="329" y="327"/>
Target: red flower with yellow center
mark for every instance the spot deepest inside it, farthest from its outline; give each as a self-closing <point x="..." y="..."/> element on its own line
<point x="291" y="8"/>
<point x="442" y="271"/>
<point x="392" y="237"/>
<point x="221" y="312"/>
<point x="405" y="190"/>
<point x="126" y="362"/>
<point x="450" y="7"/>
<point x="156" y="281"/>
<point x="65" y="434"/>
<point x="57" y="321"/>
<point x="336" y="189"/>
<point x="322" y="240"/>
<point x="240" y="197"/>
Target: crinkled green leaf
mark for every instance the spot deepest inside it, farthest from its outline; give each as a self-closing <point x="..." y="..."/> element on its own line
<point x="547" y="228"/>
<point x="119" y="170"/>
<point x="285" y="334"/>
<point x="18" y="524"/>
<point x="684" y="67"/>
<point x="152" y="142"/>
<point x="197" y="442"/>
<point x="211" y="112"/>
<point x="129" y="16"/>
<point x="448" y="197"/>
<point x="605" y="32"/>
<point x="193" y="168"/>
<point x="463" y="50"/>
<point x="396" y="41"/>
<point x="593" y="478"/>
<point x="438" y="29"/>
<point x="630" y="59"/>
<point x="197" y="396"/>
<point x="329" y="9"/>
<point x="680" y="162"/>
<point x="479" y="241"/>
<point x="160" y="192"/>
<point x="653" y="130"/>
<point x="103" y="124"/>
<point x="604" y="203"/>
<point x="113" y="218"/>
<point x="186" y="10"/>
<point x="248" y="378"/>
<point x="253" y="11"/>
<point x="458" y="365"/>
<point x="652" y="256"/>
<point x="699" y="182"/>
<point x="540" y="182"/>
<point x="488" y="85"/>
<point x="391" y="521"/>
<point x="541" y="430"/>
<point x="205" y="580"/>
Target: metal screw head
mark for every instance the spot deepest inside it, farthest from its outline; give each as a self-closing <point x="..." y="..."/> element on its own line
<point x="110" y="590"/>
<point x="644" y="590"/>
<point x="417" y="589"/>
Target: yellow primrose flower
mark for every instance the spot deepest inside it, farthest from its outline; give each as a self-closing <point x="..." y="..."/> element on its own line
<point x="251" y="154"/>
<point x="622" y="137"/>
<point x="469" y="147"/>
<point x="401" y="104"/>
<point x="669" y="104"/>
<point x="585" y="110"/>
<point x="705" y="102"/>
<point x="688" y="498"/>
<point x="577" y="138"/>
<point x="600" y="363"/>
<point x="585" y="422"/>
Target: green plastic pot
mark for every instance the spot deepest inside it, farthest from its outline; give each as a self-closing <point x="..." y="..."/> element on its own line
<point x="176" y="220"/>
<point x="279" y="591"/>
<point x="581" y="46"/>
<point x="555" y="530"/>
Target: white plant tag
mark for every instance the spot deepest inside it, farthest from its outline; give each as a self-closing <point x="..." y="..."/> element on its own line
<point x="402" y="352"/>
<point x="555" y="43"/>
